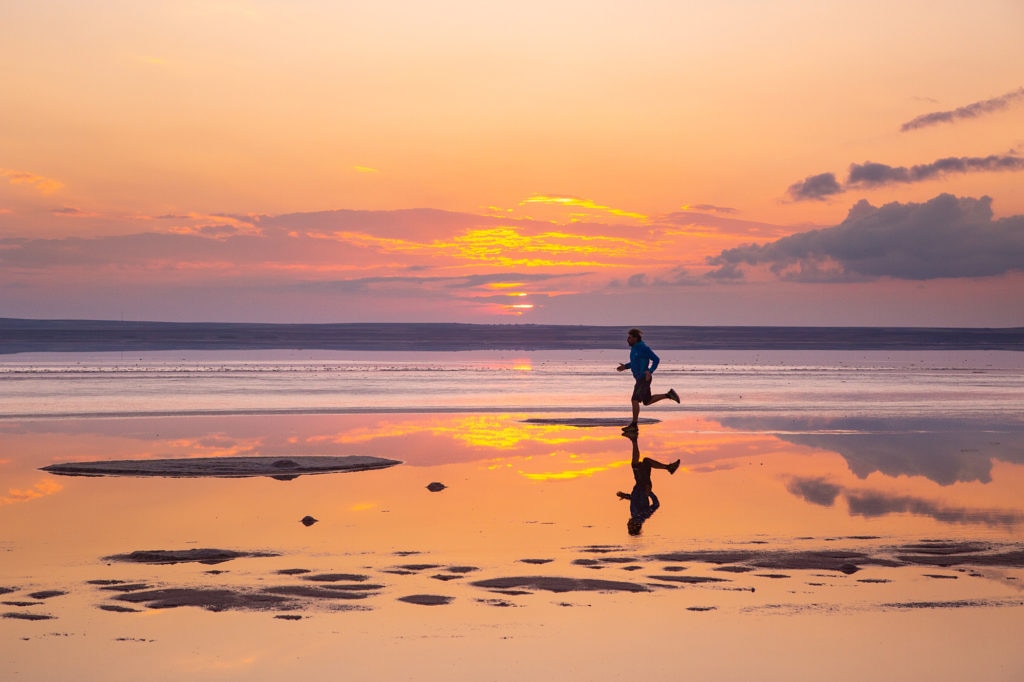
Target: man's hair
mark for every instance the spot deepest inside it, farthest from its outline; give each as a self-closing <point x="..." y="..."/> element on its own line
<point x="636" y="332"/>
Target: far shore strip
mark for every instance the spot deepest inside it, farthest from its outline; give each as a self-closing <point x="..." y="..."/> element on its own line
<point x="223" y="467"/>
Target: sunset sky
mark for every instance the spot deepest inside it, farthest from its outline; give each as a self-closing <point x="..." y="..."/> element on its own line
<point x="651" y="162"/>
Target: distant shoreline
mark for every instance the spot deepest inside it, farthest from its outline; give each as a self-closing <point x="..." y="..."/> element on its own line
<point x="70" y="336"/>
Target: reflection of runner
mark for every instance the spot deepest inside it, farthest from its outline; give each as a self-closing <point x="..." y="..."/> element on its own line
<point x="642" y="500"/>
<point x="642" y="363"/>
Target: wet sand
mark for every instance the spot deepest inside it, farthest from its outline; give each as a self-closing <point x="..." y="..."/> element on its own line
<point x="306" y="591"/>
<point x="519" y="564"/>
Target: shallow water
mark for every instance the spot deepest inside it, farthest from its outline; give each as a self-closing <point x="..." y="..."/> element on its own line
<point x="855" y="515"/>
<point x="969" y="384"/>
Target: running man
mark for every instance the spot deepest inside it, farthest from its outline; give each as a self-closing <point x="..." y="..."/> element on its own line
<point x="642" y="362"/>
<point x="642" y="500"/>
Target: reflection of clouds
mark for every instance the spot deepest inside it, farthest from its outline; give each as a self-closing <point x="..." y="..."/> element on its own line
<point x="710" y="468"/>
<point x="40" y="489"/>
<point x="212" y="445"/>
<point x="874" y="504"/>
<point x="941" y="451"/>
<point x="815" y="490"/>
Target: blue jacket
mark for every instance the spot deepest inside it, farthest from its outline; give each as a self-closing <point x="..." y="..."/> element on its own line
<point x="643" y="503"/>
<point x="639" y="356"/>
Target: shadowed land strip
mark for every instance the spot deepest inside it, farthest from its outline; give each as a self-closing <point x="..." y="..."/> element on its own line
<point x="25" y="335"/>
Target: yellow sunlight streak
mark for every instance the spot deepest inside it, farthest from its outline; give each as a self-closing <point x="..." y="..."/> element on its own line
<point x="581" y="203"/>
<point x="495" y="244"/>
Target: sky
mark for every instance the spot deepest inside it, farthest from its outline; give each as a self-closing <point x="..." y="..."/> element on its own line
<point x="740" y="162"/>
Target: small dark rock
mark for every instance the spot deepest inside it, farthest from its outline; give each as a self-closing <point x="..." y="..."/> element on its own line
<point x="436" y="487"/>
<point x="308" y="521"/>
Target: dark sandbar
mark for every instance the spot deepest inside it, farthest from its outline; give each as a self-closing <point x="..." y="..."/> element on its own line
<point x="117" y="608"/>
<point x="426" y="599"/>
<point x="689" y="579"/>
<point x="223" y="467"/>
<point x="209" y="599"/>
<point x="556" y="584"/>
<point x="181" y="556"/>
<point x="47" y="594"/>
<point x="336" y="577"/>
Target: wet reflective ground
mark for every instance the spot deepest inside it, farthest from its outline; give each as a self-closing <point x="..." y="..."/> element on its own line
<point x="787" y="544"/>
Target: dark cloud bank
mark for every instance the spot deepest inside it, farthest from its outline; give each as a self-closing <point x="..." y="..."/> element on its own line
<point x="870" y="174"/>
<point x="944" y="237"/>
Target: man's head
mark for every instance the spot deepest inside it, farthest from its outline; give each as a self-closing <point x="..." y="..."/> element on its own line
<point x="634" y="335"/>
<point x="634" y="525"/>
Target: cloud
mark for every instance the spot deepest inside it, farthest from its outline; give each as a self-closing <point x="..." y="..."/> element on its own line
<point x="969" y="111"/>
<point x="870" y="174"/>
<point x="710" y="207"/>
<point x="42" y="184"/>
<point x="815" y="187"/>
<point x="425" y="285"/>
<point x="673" y="277"/>
<point x="876" y="174"/>
<point x="941" y="238"/>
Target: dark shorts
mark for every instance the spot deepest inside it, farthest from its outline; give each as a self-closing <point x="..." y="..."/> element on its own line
<point x="642" y="392"/>
<point x="641" y="477"/>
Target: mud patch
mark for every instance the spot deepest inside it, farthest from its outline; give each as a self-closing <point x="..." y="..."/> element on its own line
<point x="689" y="579"/>
<point x="117" y="608"/>
<point x="47" y="594"/>
<point x="26" y="616"/>
<point x="204" y="598"/>
<point x="426" y="599"/>
<point x="559" y="584"/>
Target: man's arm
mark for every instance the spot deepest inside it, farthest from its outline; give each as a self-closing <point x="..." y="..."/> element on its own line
<point x="654" y="502"/>
<point x="654" y="360"/>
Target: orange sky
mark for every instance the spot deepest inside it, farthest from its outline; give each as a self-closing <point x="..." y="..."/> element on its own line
<point x="560" y="162"/>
